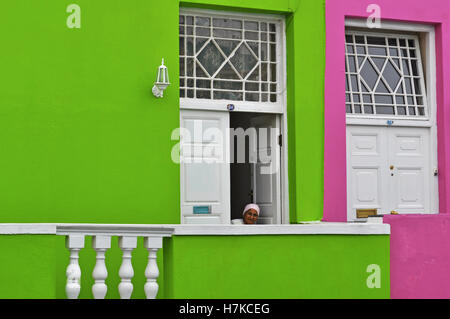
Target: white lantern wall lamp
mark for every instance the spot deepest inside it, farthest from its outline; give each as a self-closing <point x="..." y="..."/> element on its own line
<point x="162" y="81"/>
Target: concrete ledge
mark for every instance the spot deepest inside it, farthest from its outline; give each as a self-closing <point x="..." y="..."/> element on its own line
<point x="27" y="229"/>
<point x="166" y="230"/>
<point x="298" y="229"/>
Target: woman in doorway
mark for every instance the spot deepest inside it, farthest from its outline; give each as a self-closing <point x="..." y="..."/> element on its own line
<point x="250" y="215"/>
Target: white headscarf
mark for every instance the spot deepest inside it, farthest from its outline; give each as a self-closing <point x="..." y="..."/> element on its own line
<point x="251" y="206"/>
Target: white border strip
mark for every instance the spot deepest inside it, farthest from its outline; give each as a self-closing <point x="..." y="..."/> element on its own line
<point x="27" y="229"/>
<point x="300" y="229"/>
<point x="167" y="230"/>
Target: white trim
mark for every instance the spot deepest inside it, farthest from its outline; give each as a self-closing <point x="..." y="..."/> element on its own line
<point x="391" y="25"/>
<point x="225" y="14"/>
<point x="382" y="121"/>
<point x="429" y="59"/>
<point x="28" y="229"/>
<point x="167" y="230"/>
<point x="411" y="78"/>
<point x="86" y="229"/>
<point x="285" y="217"/>
<point x="428" y="62"/>
<point x="246" y="106"/>
<point x="300" y="229"/>
<point x="221" y="105"/>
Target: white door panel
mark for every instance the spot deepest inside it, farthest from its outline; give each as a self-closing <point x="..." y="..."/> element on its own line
<point x="196" y="220"/>
<point x="205" y="171"/>
<point x="367" y="185"/>
<point x="266" y="170"/>
<point x="366" y="165"/>
<point x="202" y="181"/>
<point x="409" y="156"/>
<point x="409" y="188"/>
<point x="389" y="168"/>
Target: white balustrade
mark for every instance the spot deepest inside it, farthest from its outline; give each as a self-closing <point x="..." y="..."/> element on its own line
<point x="127" y="244"/>
<point x="73" y="272"/>
<point x="100" y="244"/>
<point x="152" y="244"/>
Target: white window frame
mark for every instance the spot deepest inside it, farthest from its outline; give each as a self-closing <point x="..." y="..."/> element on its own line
<point x="427" y="39"/>
<point x="407" y="37"/>
<point x="246" y="106"/>
<point x="428" y="55"/>
<point x="280" y="107"/>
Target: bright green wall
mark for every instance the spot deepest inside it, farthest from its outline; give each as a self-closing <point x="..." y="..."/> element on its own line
<point x="28" y="266"/>
<point x="305" y="37"/>
<point x="289" y="266"/>
<point x="81" y="136"/>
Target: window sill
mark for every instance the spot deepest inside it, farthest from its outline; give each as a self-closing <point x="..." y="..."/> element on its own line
<point x="319" y="228"/>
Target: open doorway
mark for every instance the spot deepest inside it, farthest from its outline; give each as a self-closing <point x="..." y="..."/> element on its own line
<point x="255" y="165"/>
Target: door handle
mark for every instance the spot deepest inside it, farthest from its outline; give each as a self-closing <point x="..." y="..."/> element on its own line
<point x="391" y="167"/>
<point x="394" y="212"/>
<point x="251" y="196"/>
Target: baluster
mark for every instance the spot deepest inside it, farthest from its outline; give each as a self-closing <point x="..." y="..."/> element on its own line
<point x="127" y="244"/>
<point x="101" y="244"/>
<point x="73" y="272"/>
<point x="151" y="271"/>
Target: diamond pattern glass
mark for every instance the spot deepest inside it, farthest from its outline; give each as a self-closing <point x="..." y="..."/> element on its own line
<point x="237" y="56"/>
<point x="384" y="75"/>
<point x="210" y="58"/>
<point x="243" y="60"/>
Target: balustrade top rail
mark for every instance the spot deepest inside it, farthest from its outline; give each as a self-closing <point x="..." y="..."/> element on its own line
<point x="115" y="229"/>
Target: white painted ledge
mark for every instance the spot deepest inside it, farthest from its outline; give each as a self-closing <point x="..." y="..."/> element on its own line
<point x="87" y="229"/>
<point x="167" y="230"/>
<point x="27" y="229"/>
<point x="296" y="229"/>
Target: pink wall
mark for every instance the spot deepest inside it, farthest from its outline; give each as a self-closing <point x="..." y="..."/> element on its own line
<point x="420" y="245"/>
<point x="420" y="256"/>
<point x="435" y="12"/>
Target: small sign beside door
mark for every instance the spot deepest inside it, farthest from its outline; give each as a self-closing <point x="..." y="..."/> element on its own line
<point x="364" y="213"/>
<point x="202" y="210"/>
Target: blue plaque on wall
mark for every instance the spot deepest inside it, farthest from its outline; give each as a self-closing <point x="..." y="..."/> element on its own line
<point x="202" y="209"/>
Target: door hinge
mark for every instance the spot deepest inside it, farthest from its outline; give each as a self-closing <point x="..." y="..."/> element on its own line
<point x="280" y="140"/>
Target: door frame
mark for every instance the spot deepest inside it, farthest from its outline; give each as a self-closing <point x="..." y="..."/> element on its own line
<point x="279" y="109"/>
<point x="278" y="178"/>
<point x="384" y="182"/>
<point x="427" y="40"/>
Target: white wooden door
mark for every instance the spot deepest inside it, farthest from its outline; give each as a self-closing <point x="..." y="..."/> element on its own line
<point x="367" y="185"/>
<point x="409" y="169"/>
<point x="390" y="169"/>
<point x="205" y="169"/>
<point x="266" y="169"/>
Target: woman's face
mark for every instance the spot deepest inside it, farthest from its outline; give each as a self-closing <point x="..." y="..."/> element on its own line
<point x="250" y="216"/>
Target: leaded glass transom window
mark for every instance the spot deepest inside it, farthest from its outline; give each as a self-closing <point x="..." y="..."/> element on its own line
<point x="229" y="58"/>
<point x="384" y="75"/>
